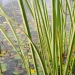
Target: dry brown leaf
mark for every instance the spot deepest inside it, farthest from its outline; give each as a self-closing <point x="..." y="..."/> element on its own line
<point x="21" y="32"/>
<point x="19" y="69"/>
<point x="18" y="30"/>
<point x="2" y="58"/>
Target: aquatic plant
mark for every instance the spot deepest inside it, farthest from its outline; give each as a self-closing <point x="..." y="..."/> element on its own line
<point x="53" y="56"/>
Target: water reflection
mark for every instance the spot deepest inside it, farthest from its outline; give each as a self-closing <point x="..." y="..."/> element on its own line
<point x="5" y="2"/>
